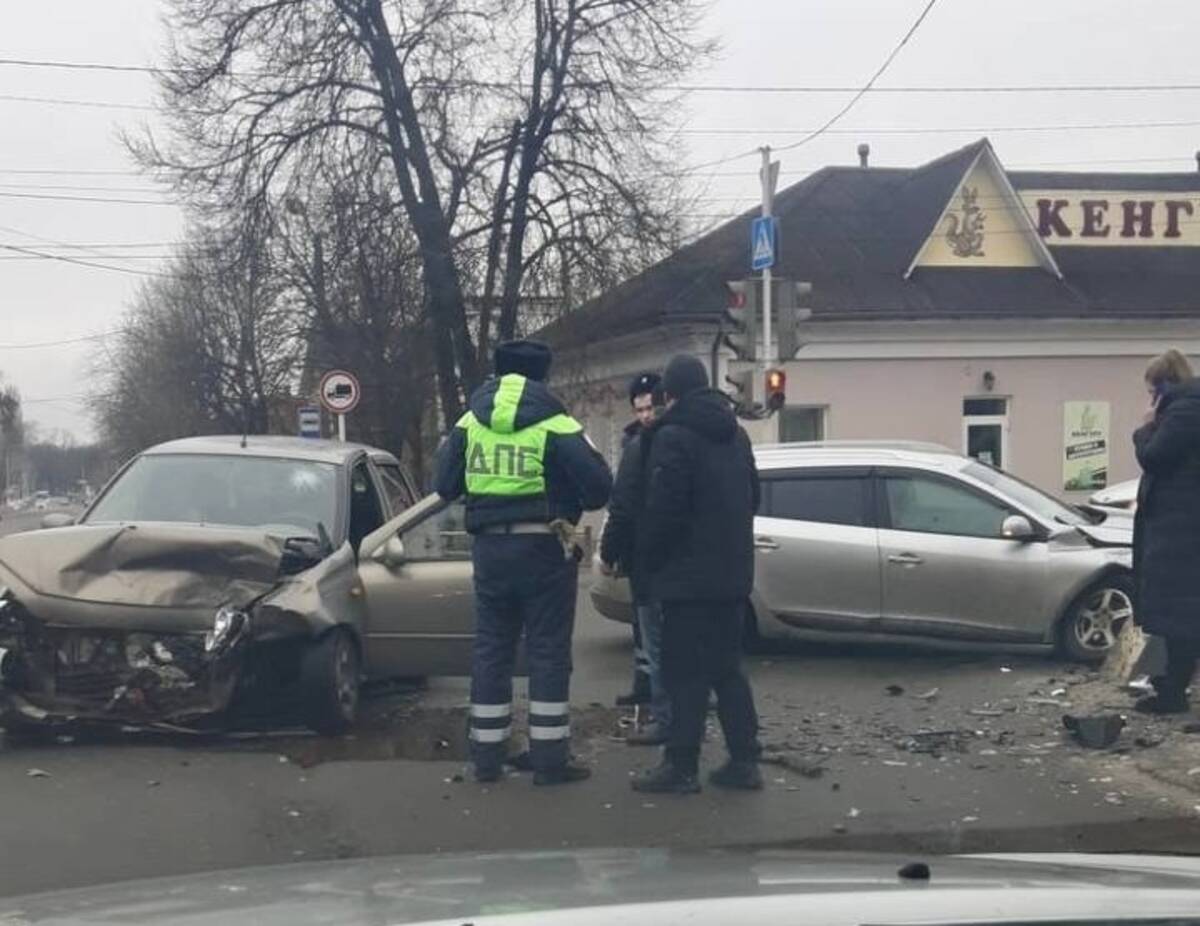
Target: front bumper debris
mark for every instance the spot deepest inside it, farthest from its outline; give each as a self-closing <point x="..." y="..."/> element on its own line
<point x="54" y="674"/>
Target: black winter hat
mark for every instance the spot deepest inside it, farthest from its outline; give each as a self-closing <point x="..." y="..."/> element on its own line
<point x="645" y="383"/>
<point x="684" y="375"/>
<point x="530" y="359"/>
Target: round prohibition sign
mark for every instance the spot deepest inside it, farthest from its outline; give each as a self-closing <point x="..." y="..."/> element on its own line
<point x="340" y="392"/>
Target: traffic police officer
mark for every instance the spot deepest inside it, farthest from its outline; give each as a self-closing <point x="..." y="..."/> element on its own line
<point x="528" y="473"/>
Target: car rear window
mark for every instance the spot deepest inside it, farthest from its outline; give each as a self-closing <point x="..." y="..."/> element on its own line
<point x="823" y="499"/>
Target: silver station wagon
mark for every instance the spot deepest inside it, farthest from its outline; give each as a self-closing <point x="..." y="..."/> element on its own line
<point x="904" y="541"/>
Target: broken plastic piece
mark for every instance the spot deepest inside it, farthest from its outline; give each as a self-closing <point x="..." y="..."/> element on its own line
<point x="914" y="871"/>
<point x="1097" y="732"/>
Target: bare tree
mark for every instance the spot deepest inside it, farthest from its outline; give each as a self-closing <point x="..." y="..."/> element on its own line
<point x="349" y="256"/>
<point x="525" y="137"/>
<point x="208" y="347"/>
<point x="12" y="431"/>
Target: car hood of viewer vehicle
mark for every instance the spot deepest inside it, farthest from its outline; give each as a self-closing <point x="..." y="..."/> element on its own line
<point x="134" y="575"/>
<point x="653" y="886"/>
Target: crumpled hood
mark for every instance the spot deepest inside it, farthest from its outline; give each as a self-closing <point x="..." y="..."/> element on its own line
<point x="1114" y="532"/>
<point x="708" y="413"/>
<point x="512" y="402"/>
<point x="149" y="565"/>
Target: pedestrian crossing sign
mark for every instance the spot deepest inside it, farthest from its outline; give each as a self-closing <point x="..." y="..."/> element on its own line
<point x="764" y="235"/>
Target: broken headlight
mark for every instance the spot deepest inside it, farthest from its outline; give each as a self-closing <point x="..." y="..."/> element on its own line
<point x="8" y="609"/>
<point x="227" y="626"/>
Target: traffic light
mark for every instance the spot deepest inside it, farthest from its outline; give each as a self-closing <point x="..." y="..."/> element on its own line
<point x="743" y="384"/>
<point x="776" y="390"/>
<point x="741" y="317"/>
<point x="793" y="300"/>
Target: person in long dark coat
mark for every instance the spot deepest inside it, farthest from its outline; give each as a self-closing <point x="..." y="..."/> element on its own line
<point x="1166" y="537"/>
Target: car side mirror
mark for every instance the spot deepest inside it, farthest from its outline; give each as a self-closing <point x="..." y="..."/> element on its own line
<point x="391" y="554"/>
<point x="58" y="519"/>
<point x="1016" y="527"/>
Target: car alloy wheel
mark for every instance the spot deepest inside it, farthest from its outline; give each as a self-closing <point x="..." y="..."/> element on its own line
<point x="331" y="678"/>
<point x="345" y="675"/>
<point x="1100" y="619"/>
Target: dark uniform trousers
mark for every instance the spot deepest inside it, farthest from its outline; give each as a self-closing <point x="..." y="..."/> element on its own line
<point x="523" y="582"/>
<point x="701" y="652"/>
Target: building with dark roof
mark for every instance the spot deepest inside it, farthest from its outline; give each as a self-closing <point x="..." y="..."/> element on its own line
<point x="955" y="302"/>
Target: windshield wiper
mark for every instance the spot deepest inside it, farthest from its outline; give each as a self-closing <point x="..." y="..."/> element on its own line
<point x="324" y="539"/>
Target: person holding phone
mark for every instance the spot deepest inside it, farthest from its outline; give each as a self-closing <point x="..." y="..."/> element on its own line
<point x="1166" y="534"/>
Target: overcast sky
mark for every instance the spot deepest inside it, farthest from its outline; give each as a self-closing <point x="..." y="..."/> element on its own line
<point x="765" y="43"/>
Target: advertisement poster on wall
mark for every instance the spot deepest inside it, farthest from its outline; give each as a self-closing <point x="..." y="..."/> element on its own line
<point x="1085" y="446"/>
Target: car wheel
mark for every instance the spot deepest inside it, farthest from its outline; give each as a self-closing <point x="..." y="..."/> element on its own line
<point x="332" y="673"/>
<point x="1094" y="621"/>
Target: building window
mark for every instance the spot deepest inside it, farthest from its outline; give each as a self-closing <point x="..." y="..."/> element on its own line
<point x="985" y="430"/>
<point x="802" y="423"/>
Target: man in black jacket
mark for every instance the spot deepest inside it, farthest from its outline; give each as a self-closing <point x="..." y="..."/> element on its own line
<point x="618" y="547"/>
<point x="527" y="470"/>
<point x="701" y="495"/>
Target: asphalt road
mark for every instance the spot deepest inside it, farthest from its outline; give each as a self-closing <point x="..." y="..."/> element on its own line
<point x="965" y="754"/>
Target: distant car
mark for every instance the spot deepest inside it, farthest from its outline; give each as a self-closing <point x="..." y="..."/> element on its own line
<point x="895" y="541"/>
<point x="217" y="569"/>
<point x="1121" y="497"/>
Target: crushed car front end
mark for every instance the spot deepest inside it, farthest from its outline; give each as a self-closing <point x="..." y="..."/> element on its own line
<point x="141" y="624"/>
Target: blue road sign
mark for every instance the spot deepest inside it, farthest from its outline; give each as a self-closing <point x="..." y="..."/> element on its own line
<point x="310" y="421"/>
<point x="764" y="236"/>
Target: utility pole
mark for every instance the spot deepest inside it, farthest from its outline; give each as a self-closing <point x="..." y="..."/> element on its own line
<point x="768" y="194"/>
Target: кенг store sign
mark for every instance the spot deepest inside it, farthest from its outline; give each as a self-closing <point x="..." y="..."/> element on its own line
<point x="1114" y="218"/>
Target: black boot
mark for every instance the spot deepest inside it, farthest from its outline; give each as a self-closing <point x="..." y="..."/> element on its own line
<point x="1166" y="703"/>
<point x="563" y="775"/>
<point x="737" y="776"/>
<point x="666" y="779"/>
<point x="640" y="693"/>
<point x="488" y="774"/>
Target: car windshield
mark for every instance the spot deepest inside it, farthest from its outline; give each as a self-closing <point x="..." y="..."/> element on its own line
<point x="240" y="491"/>
<point x="1044" y="506"/>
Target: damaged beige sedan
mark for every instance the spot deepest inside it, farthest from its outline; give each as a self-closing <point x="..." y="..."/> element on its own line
<point x="225" y="571"/>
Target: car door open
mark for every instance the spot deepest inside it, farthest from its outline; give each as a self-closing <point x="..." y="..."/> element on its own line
<point x="417" y="577"/>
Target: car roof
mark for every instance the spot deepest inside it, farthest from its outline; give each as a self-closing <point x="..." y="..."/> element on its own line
<point x="272" y="445"/>
<point x="857" y="453"/>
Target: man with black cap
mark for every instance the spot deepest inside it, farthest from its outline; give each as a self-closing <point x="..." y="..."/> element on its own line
<point x="619" y="547"/>
<point x="701" y="495"/>
<point x="528" y="473"/>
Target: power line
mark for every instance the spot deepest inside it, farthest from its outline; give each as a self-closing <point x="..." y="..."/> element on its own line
<point x="58" y="101"/>
<point x="946" y="130"/>
<point x="687" y="88"/>
<point x="80" y="188"/>
<point x="48" y="256"/>
<point x="53" y="243"/>
<point x="869" y="84"/>
<point x="70" y="171"/>
<point x="89" y="199"/>
<point x="114" y="245"/>
<point x="37" y="345"/>
<point x="82" y="263"/>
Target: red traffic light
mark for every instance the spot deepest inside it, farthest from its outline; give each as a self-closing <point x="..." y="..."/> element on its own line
<point x="776" y="389"/>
